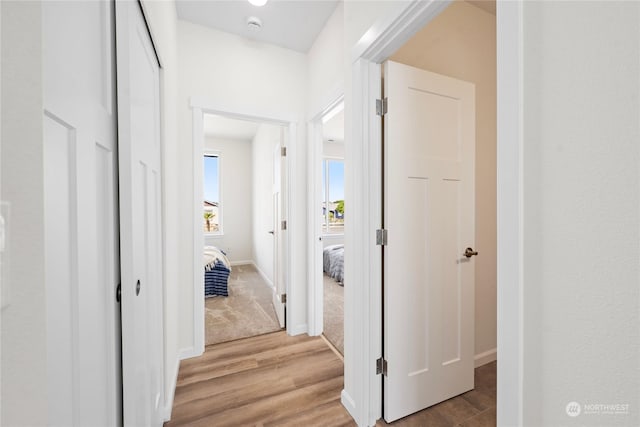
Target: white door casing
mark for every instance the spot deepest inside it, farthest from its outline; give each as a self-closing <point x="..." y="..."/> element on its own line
<point x="278" y="233"/>
<point x="140" y="218"/>
<point x="429" y="152"/>
<point x="81" y="241"/>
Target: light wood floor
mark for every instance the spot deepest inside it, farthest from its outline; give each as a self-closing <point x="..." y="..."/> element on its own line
<point x="277" y="380"/>
<point x="269" y="380"/>
<point x="475" y="408"/>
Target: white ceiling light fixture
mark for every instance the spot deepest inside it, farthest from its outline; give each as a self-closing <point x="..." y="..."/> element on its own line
<point x="258" y="2"/>
<point x="254" y="24"/>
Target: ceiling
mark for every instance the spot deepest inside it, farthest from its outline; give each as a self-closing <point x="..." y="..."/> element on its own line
<point x="285" y="23"/>
<point x="225" y="128"/>
<point x="293" y="24"/>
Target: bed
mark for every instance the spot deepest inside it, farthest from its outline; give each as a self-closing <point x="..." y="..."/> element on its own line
<point x="333" y="262"/>
<point x="216" y="272"/>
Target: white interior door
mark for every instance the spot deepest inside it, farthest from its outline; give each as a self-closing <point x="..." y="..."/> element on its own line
<point x="80" y="215"/>
<point x="140" y="218"/>
<point x="278" y="234"/>
<point x="429" y="151"/>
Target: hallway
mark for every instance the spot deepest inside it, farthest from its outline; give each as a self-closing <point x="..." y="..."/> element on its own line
<point x="277" y="380"/>
<point x="268" y="380"/>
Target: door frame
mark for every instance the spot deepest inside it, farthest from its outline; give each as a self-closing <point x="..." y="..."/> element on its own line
<point x="314" y="184"/>
<point x="362" y="395"/>
<point x="199" y="107"/>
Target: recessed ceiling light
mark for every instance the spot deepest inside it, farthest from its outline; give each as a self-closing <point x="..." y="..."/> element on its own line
<point x="258" y="2"/>
<point x="254" y="24"/>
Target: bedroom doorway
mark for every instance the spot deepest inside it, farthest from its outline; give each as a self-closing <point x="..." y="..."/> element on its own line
<point x="243" y="184"/>
<point x="327" y="209"/>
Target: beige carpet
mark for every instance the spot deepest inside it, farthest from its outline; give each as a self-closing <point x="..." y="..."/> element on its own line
<point x="334" y="313"/>
<point x="246" y="312"/>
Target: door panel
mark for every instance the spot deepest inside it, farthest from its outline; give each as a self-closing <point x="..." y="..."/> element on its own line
<point x="278" y="240"/>
<point x="81" y="242"/>
<point x="429" y="214"/>
<point x="140" y="218"/>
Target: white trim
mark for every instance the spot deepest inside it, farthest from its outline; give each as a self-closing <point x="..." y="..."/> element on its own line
<point x="168" y="406"/>
<point x="348" y="402"/>
<point x="382" y="39"/>
<point x="314" y="233"/>
<point x="198" y="235"/>
<point x="290" y="264"/>
<point x="189" y="352"/>
<point x="363" y="327"/>
<point x="264" y="276"/>
<point x="510" y="262"/>
<point x="243" y="262"/>
<point x="334" y="97"/>
<point x="391" y="32"/>
<point x="300" y="329"/>
<point x="485" y="357"/>
<point x="213" y="107"/>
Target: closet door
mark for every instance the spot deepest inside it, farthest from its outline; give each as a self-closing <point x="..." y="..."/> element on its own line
<point x="140" y="218"/>
<point x="80" y="215"/>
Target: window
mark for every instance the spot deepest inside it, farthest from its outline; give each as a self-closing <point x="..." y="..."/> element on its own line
<point x="333" y="196"/>
<point x="212" y="200"/>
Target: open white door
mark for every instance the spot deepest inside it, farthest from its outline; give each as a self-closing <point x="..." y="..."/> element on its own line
<point x="80" y="215"/>
<point x="429" y="151"/>
<point x="279" y="228"/>
<point x="140" y="218"/>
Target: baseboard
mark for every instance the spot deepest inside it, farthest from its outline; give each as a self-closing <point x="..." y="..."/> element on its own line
<point x="188" y="353"/>
<point x="264" y="276"/>
<point x="348" y="403"/>
<point x="241" y="262"/>
<point x="298" y="329"/>
<point x="485" y="357"/>
<point x="172" y="393"/>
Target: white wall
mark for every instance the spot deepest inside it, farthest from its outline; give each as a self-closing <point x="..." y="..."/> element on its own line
<point x="264" y="143"/>
<point x="325" y="63"/>
<point x="326" y="82"/>
<point x="333" y="149"/>
<point x="237" y="204"/>
<point x="24" y="356"/>
<point x="581" y="200"/>
<point x="461" y="43"/>
<point x="246" y="76"/>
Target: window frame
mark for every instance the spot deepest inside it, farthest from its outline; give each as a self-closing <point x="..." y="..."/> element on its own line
<point x="218" y="154"/>
<point x="325" y="196"/>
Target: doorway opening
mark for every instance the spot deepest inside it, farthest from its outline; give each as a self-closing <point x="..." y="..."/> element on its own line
<point x="240" y="220"/>
<point x="332" y="211"/>
<point x="387" y="42"/>
<point x="241" y="177"/>
<point x="327" y="216"/>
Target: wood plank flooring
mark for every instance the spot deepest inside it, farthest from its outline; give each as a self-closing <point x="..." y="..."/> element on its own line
<point x="277" y="380"/>
<point x="475" y="408"/>
<point x="269" y="380"/>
